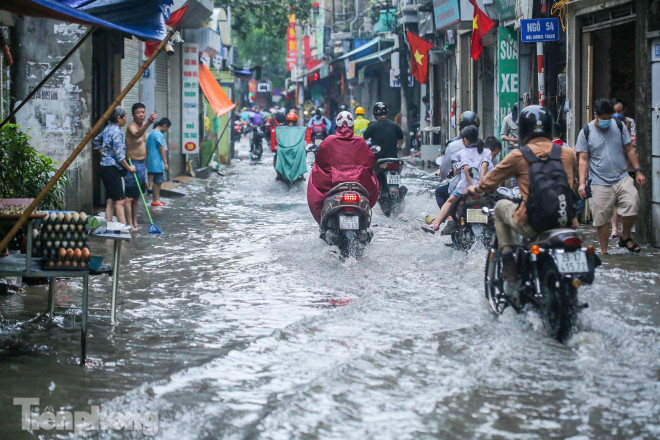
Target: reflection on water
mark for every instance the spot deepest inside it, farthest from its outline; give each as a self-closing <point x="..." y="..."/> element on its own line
<point x="238" y="322"/>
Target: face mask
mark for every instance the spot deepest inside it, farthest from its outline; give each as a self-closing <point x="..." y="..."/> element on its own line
<point x="618" y="116"/>
<point x="604" y="123"/>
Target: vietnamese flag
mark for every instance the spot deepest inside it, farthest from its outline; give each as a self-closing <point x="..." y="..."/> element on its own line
<point x="419" y="57"/>
<point x="481" y="24"/>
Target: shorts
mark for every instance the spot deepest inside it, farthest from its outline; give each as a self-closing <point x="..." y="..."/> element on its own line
<point x="112" y="181"/>
<point x="623" y="195"/>
<point x="457" y="194"/>
<point x="132" y="191"/>
<point x="158" y="178"/>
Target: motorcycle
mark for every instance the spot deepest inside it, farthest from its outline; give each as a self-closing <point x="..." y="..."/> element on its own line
<point x="256" y="146"/>
<point x="391" y="196"/>
<point x="550" y="267"/>
<point x="475" y="219"/>
<point x="238" y="130"/>
<point x="346" y="216"/>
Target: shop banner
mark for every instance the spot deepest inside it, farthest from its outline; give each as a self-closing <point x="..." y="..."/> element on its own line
<point x="446" y="13"/>
<point x="507" y="71"/>
<point x="320" y="28"/>
<point x="190" y="98"/>
<point x="291" y="46"/>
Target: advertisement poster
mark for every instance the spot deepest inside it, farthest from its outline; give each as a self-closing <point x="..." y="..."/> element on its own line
<point x="190" y="98"/>
<point x="507" y="72"/>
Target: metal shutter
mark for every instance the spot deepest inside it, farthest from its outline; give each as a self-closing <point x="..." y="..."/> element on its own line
<point x="129" y="67"/>
<point x="161" y="86"/>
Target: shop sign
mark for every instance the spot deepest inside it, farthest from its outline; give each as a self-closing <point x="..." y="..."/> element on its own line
<point x="538" y="30"/>
<point x="291" y="45"/>
<point x="395" y="80"/>
<point x="506" y="8"/>
<point x="446" y="13"/>
<point x="507" y="71"/>
<point x="190" y="98"/>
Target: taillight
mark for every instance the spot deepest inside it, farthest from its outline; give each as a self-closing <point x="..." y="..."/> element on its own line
<point x="572" y="242"/>
<point x="350" y="197"/>
<point x="393" y="166"/>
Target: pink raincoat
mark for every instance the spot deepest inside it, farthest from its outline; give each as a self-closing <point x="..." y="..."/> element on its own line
<point x="341" y="158"/>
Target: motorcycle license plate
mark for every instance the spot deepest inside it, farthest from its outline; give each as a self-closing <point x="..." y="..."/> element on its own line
<point x="394" y="179"/>
<point x="317" y="141"/>
<point x="572" y="262"/>
<point x="476" y="216"/>
<point x="349" y="222"/>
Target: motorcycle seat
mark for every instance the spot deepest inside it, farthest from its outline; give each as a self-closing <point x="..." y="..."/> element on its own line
<point x="388" y="159"/>
<point x="554" y="237"/>
<point x="348" y="186"/>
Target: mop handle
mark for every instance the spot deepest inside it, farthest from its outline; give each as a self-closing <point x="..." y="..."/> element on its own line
<point x="140" y="189"/>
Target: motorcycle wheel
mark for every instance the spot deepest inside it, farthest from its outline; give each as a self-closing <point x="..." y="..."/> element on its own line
<point x="350" y="246"/>
<point x="257" y="151"/>
<point x="463" y="239"/>
<point x="558" y="306"/>
<point x="493" y="280"/>
<point x="385" y="205"/>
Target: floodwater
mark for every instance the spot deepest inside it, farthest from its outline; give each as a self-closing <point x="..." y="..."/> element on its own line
<point x="239" y="322"/>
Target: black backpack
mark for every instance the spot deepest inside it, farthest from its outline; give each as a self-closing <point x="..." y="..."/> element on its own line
<point x="550" y="201"/>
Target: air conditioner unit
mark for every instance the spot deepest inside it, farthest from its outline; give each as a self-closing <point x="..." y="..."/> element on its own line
<point x="263" y="87"/>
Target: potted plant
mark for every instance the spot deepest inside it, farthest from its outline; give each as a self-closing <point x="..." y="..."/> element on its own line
<point x="24" y="172"/>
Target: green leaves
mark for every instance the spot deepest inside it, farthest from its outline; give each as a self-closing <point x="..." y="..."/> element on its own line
<point x="24" y="171"/>
<point x="270" y="16"/>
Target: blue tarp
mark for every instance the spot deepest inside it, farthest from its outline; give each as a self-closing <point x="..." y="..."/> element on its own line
<point x="142" y="18"/>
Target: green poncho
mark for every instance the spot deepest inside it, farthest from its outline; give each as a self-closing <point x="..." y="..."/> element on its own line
<point x="291" y="154"/>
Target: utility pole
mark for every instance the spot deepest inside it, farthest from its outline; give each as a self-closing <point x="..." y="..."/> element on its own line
<point x="300" y="90"/>
<point x="404" y="60"/>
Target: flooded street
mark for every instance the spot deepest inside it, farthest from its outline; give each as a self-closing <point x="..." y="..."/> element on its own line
<point x="239" y="322"/>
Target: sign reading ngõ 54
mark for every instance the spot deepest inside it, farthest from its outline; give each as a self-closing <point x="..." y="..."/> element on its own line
<point x="539" y="29"/>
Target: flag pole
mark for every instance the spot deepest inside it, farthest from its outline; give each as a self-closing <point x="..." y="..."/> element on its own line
<point x="23" y="218"/>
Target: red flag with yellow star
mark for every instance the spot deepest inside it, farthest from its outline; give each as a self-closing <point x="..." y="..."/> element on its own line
<point x="481" y="24"/>
<point x="419" y="57"/>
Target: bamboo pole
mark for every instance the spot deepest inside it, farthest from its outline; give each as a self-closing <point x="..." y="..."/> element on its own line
<point x="23" y="218"/>
<point x="50" y="74"/>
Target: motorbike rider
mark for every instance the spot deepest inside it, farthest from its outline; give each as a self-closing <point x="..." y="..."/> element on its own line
<point x="386" y="134"/>
<point x="535" y="131"/>
<point x="446" y="169"/>
<point x="342" y="157"/>
<point x="319" y="124"/>
<point x="361" y="124"/>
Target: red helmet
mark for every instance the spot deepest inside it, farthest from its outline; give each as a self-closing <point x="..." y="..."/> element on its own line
<point x="292" y="117"/>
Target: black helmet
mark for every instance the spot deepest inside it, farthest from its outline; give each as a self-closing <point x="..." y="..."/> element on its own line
<point x="468" y="118"/>
<point x="380" y="109"/>
<point x="534" y="121"/>
<point x="342" y="108"/>
<point x="318" y="112"/>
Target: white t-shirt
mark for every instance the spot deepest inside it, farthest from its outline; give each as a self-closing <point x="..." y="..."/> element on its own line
<point x="471" y="157"/>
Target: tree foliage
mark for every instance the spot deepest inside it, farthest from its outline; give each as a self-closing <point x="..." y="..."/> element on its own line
<point x="270" y="16"/>
<point x="259" y="49"/>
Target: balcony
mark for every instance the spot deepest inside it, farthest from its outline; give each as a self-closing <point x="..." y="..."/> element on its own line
<point x="207" y="40"/>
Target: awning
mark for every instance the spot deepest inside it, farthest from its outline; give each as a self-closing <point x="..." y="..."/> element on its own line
<point x="371" y="43"/>
<point x="142" y="18"/>
<point x="374" y="58"/>
<point x="220" y="102"/>
<point x="318" y="68"/>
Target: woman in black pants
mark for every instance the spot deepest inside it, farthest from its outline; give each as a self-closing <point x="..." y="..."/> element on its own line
<point x="110" y="143"/>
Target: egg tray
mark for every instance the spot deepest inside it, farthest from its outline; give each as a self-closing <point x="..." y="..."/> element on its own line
<point x="45" y="265"/>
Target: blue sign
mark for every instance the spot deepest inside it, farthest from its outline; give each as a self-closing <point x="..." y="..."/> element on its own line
<point x="446" y="13"/>
<point x="539" y="29"/>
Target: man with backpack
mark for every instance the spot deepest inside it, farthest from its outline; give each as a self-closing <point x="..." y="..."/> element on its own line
<point x="319" y="125"/>
<point x="603" y="148"/>
<point x="545" y="174"/>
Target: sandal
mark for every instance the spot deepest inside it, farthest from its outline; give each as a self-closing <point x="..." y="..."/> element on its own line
<point x="614" y="236"/>
<point x="630" y="245"/>
<point x="430" y="228"/>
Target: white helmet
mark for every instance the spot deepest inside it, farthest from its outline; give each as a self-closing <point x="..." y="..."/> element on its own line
<point x="344" y="117"/>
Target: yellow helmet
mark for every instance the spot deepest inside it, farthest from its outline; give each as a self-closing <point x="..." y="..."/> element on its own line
<point x="359" y="110"/>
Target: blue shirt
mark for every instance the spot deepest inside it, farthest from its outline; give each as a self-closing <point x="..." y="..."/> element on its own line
<point x="111" y="142"/>
<point x="155" y="140"/>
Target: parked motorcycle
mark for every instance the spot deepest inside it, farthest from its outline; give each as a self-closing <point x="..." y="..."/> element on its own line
<point x="551" y="267"/>
<point x="346" y="216"/>
<point x="391" y="195"/>
<point x="256" y="145"/>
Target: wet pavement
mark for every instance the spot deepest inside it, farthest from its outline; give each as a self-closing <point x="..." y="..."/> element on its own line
<point x="239" y="322"/>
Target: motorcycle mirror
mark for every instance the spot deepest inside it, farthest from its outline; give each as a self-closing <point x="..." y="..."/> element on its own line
<point x="310" y="147"/>
<point x="485" y="210"/>
<point x="375" y="148"/>
<point x="438" y="160"/>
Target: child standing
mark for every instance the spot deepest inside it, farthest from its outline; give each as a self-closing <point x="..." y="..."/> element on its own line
<point x="157" y="158"/>
<point x="473" y="163"/>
